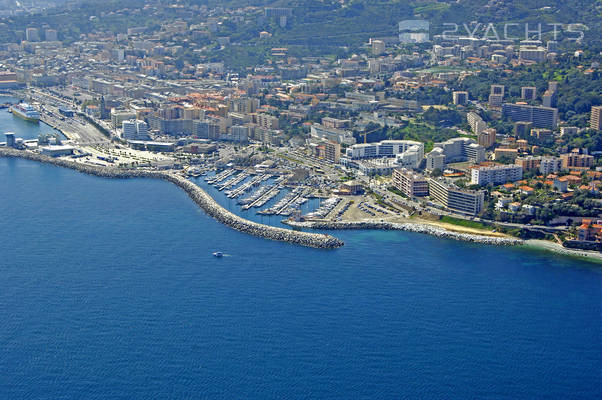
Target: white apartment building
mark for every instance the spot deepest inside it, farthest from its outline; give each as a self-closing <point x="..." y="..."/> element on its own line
<point x="129" y="129"/>
<point x="459" y="149"/>
<point x="496" y="174"/>
<point x="335" y="135"/>
<point x="477" y="125"/>
<point x="454" y="198"/>
<point x="134" y="130"/>
<point x="435" y="159"/>
<point x="405" y="150"/>
<point x="550" y="165"/>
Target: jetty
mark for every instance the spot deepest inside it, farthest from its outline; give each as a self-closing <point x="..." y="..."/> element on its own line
<point x="198" y="195"/>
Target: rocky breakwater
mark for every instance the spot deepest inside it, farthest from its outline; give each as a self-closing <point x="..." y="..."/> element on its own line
<point x="410" y="227"/>
<point x="198" y="195"/>
<point x="224" y="216"/>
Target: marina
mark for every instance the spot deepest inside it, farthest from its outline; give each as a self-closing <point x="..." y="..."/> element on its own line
<point x="219" y="177"/>
<point x="325" y="208"/>
<point x="235" y="180"/>
<point x="245" y="187"/>
<point x="288" y="204"/>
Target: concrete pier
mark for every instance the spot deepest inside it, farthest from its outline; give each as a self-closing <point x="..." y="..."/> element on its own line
<point x="198" y="195"/>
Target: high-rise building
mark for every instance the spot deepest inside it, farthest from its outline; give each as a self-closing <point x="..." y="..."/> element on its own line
<point x="497" y="89"/>
<point x="244" y="105"/>
<point x="595" y="121"/>
<point x="435" y="160"/>
<point x="496" y="95"/>
<point x="528" y="163"/>
<point x="32" y="35"/>
<point x="385" y="148"/>
<point x="460" y="98"/>
<point x="496" y="100"/>
<point x="550" y="165"/>
<point x="51" y="35"/>
<point x="576" y="160"/>
<point x="541" y="117"/>
<point x="487" y="138"/>
<point x="476" y="123"/>
<point x="267" y="121"/>
<point x="378" y="47"/>
<point x="332" y="152"/>
<point x="456" y="199"/>
<point x="142" y="130"/>
<point x="495" y="174"/>
<point x="238" y="133"/>
<point x="129" y="129"/>
<point x="550" y="97"/>
<point x="410" y="183"/>
<point x="505" y="152"/>
<point x="528" y="92"/>
<point x="522" y="129"/>
<point x="118" y="116"/>
<point x="522" y="144"/>
<point x="134" y="130"/>
<point x="532" y="53"/>
<point x="461" y="149"/>
<point x="206" y="129"/>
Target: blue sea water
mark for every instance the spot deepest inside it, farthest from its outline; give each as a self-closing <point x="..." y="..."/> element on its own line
<point x="22" y="128"/>
<point x="108" y="290"/>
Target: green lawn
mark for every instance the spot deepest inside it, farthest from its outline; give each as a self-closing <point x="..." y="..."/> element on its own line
<point x="463" y="222"/>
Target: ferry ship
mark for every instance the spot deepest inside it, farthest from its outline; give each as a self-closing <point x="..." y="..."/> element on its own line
<point x="25" y="111"/>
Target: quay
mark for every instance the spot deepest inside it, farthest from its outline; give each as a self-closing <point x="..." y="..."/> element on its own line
<point x="198" y="195"/>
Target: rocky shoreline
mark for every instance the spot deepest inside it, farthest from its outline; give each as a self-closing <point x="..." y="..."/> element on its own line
<point x="198" y="195"/>
<point x="409" y="227"/>
<point x="592" y="256"/>
<point x="308" y="239"/>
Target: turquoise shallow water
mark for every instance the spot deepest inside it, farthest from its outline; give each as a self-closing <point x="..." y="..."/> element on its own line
<point x="108" y="290"/>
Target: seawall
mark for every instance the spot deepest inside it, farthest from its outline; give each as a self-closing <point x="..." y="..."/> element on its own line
<point x="410" y="227"/>
<point x="198" y="195"/>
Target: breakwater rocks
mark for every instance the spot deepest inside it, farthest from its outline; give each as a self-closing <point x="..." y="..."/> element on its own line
<point x="198" y="195"/>
<point x="410" y="227"/>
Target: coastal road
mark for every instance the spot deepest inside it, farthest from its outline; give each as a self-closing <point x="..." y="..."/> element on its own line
<point x="435" y="211"/>
<point x="75" y="128"/>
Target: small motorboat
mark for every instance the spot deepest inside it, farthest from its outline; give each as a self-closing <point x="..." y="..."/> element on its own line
<point x="218" y="254"/>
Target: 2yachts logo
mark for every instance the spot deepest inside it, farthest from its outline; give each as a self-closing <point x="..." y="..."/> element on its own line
<point x="418" y="31"/>
<point x="491" y="31"/>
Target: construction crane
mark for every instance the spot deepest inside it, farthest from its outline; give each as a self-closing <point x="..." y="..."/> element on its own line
<point x="365" y="134"/>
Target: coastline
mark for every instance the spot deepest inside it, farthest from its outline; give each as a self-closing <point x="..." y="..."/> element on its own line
<point x="416" y="227"/>
<point x="307" y="239"/>
<point x="441" y="232"/>
<point x="545" y="245"/>
<point x="198" y="195"/>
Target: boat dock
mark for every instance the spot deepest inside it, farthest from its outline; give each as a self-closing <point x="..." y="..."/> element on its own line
<point x="288" y="204"/>
<point x="239" y="191"/>
<point x="219" y="177"/>
<point x="233" y="181"/>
